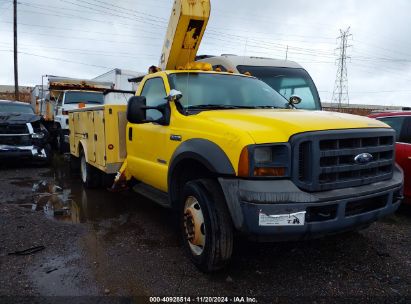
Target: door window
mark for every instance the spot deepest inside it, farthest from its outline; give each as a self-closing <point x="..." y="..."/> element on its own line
<point x="406" y="131"/>
<point x="396" y="123"/>
<point x="154" y="92"/>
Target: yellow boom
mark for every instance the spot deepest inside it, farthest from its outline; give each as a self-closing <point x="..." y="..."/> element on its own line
<point x="186" y="28"/>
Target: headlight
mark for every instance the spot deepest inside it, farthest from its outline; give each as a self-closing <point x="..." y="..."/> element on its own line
<point x="265" y="161"/>
<point x="263" y="155"/>
<point x="37" y="135"/>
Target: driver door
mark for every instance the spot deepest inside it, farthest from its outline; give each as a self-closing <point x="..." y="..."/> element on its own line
<point x="146" y="143"/>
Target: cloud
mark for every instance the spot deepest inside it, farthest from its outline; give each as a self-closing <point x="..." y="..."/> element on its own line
<point x="86" y="38"/>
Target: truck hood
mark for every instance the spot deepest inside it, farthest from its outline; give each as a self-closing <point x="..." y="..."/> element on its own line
<point x="18" y="118"/>
<point x="266" y="126"/>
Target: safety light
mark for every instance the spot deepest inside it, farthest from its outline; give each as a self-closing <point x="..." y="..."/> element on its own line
<point x="196" y="66"/>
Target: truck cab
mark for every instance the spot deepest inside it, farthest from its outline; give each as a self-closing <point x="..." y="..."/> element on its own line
<point x="286" y="77"/>
<point x="70" y="100"/>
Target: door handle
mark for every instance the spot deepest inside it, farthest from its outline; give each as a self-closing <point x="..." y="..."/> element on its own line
<point x="130" y="134"/>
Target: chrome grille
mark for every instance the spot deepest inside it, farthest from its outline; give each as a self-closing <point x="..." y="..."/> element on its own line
<point x="16" y="140"/>
<point x="325" y="160"/>
<point x="13" y="129"/>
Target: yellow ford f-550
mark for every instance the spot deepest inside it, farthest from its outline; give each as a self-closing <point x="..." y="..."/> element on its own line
<point x="227" y="153"/>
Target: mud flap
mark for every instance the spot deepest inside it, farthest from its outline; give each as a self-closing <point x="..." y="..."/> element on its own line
<point x="121" y="179"/>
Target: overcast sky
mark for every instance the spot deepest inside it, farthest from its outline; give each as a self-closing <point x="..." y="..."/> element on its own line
<point x="85" y="38"/>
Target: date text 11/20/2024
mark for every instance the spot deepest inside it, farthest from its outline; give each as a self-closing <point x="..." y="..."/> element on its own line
<point x="203" y="300"/>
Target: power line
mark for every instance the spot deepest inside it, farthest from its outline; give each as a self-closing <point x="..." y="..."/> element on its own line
<point x="60" y="59"/>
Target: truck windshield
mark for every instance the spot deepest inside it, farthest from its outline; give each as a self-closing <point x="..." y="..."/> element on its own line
<point x="84" y="97"/>
<point x="288" y="82"/>
<point x="215" y="91"/>
<point x="15" y="108"/>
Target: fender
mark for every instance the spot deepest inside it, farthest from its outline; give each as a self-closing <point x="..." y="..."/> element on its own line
<point x="205" y="152"/>
<point x="83" y="144"/>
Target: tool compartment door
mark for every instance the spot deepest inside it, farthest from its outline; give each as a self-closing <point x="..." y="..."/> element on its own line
<point x="99" y="138"/>
<point x="89" y="133"/>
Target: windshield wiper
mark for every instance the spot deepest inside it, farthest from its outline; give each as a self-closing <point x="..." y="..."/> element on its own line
<point x="215" y="107"/>
<point x="267" y="107"/>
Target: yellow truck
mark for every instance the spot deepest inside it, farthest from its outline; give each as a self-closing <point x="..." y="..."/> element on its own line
<point x="230" y="155"/>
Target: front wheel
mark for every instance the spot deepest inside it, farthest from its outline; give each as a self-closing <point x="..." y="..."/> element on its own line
<point x="206" y="225"/>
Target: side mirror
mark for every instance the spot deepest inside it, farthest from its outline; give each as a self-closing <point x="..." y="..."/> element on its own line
<point x="136" y="109"/>
<point x="174" y="95"/>
<point x="295" y="100"/>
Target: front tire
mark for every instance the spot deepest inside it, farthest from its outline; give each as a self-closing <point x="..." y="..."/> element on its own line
<point x="206" y="226"/>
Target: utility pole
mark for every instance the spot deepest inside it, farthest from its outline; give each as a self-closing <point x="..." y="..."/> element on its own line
<point x="340" y="93"/>
<point x="16" y="73"/>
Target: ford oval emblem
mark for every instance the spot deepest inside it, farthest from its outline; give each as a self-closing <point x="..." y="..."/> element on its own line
<point x="363" y="158"/>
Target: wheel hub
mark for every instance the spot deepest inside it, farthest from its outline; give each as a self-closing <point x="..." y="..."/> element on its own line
<point x="194" y="225"/>
<point x="83" y="165"/>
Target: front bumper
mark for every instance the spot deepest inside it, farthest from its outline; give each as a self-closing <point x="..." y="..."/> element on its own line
<point x="326" y="212"/>
<point x="22" y="152"/>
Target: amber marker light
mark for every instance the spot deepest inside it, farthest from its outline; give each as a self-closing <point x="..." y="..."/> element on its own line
<point x="81" y="105"/>
<point x="270" y="171"/>
<point x="244" y="163"/>
<point x="110" y="146"/>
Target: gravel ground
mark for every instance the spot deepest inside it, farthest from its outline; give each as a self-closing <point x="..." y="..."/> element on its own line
<point x="118" y="246"/>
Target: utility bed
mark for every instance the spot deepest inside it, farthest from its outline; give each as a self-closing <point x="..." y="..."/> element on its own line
<point x="99" y="133"/>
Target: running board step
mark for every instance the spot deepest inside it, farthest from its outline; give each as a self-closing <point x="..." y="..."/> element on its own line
<point x="153" y="194"/>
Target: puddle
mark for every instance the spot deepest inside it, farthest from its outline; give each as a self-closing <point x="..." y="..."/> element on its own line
<point x="60" y="195"/>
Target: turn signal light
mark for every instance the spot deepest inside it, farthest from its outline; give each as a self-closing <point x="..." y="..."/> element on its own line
<point x="244" y="163"/>
<point x="269" y="171"/>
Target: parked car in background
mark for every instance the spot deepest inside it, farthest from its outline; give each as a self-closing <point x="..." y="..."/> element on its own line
<point x="22" y="133"/>
<point x="401" y="123"/>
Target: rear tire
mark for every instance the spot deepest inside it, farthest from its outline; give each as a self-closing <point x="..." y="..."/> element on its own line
<point x="89" y="175"/>
<point x="61" y="145"/>
<point x="206" y="226"/>
<point x="74" y="164"/>
<point x="49" y="154"/>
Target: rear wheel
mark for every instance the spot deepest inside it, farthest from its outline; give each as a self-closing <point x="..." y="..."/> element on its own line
<point x="206" y="226"/>
<point x="61" y="146"/>
<point x="89" y="175"/>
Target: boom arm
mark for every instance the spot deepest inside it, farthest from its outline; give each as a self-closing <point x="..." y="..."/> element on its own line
<point x="185" y="31"/>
